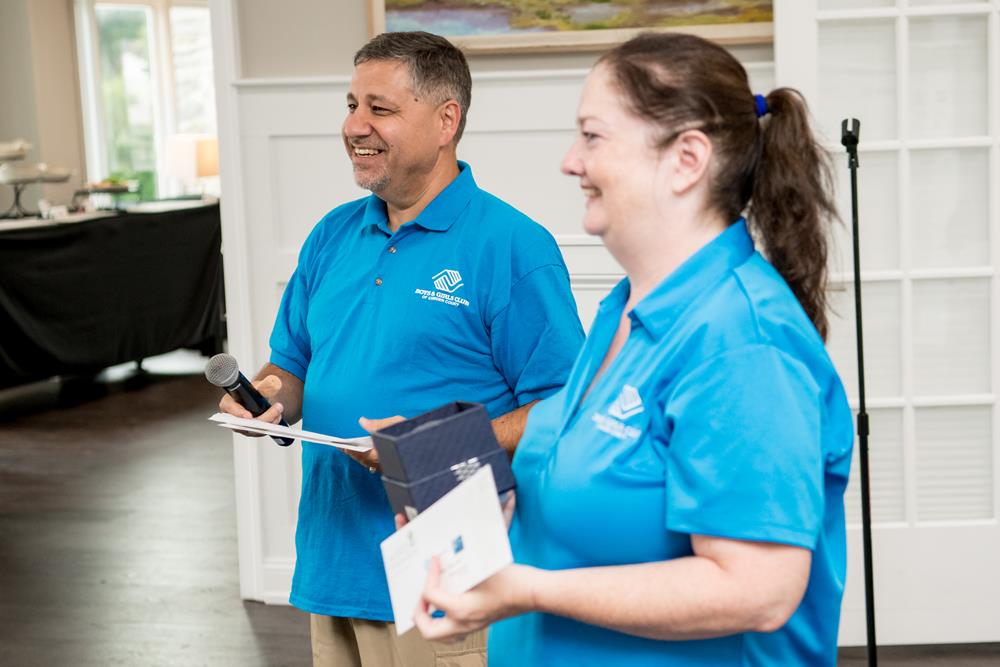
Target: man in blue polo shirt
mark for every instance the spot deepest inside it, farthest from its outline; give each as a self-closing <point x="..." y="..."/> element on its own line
<point x="428" y="291"/>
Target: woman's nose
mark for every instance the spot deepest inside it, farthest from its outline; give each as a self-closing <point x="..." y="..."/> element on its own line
<point x="571" y="165"/>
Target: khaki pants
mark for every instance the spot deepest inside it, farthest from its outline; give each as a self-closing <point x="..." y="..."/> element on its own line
<point x="353" y="642"/>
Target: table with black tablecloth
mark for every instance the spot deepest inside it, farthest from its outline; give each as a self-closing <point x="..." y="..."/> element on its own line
<point x="76" y="298"/>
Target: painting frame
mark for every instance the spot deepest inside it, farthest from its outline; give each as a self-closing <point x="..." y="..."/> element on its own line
<point x="728" y="34"/>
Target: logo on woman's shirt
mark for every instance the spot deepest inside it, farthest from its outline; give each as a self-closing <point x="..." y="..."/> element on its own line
<point x="627" y="405"/>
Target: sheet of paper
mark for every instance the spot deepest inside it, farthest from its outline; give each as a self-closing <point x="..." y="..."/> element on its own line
<point x="362" y="444"/>
<point x="465" y="529"/>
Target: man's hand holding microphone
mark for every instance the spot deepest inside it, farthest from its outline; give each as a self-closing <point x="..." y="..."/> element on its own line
<point x="268" y="387"/>
<point x="275" y="397"/>
<point x="274" y="394"/>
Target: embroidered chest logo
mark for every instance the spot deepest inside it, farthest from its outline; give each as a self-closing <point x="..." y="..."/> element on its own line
<point x="448" y="280"/>
<point x="627" y="405"/>
<point x="446" y="283"/>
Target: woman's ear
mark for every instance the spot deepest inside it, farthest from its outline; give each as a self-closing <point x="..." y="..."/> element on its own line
<point x="691" y="155"/>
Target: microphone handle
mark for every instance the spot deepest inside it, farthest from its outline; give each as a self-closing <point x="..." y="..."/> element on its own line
<point x="244" y="393"/>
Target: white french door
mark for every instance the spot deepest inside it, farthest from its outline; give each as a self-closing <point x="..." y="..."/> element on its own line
<point x="923" y="76"/>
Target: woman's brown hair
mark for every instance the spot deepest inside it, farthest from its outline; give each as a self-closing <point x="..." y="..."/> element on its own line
<point x="770" y="162"/>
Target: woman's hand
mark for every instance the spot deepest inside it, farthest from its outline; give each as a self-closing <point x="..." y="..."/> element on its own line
<point x="507" y="593"/>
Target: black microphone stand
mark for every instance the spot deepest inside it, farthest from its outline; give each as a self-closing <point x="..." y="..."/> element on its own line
<point x="850" y="135"/>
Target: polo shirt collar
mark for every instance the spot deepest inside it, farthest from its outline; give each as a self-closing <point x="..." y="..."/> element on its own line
<point x="440" y="214"/>
<point x="658" y="311"/>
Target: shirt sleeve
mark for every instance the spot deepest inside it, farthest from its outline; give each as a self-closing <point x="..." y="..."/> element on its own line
<point x="744" y="458"/>
<point x="536" y="338"/>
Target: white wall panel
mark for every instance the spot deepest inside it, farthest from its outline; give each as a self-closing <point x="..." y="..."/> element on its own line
<point x="303" y="170"/>
<point x="589" y="291"/>
<point x="279" y="499"/>
<point x="510" y="164"/>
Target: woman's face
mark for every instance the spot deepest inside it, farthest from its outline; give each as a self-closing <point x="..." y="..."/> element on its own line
<point x="614" y="158"/>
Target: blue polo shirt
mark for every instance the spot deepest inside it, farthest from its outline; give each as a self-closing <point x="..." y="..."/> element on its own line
<point x="722" y="415"/>
<point x="471" y="301"/>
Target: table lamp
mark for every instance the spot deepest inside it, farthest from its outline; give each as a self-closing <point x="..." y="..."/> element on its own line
<point x="190" y="159"/>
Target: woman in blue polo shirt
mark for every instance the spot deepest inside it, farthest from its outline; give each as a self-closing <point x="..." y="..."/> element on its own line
<point x="680" y="501"/>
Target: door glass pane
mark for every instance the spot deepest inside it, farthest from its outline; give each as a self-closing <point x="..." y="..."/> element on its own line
<point x="878" y="220"/>
<point x="881" y="313"/>
<point x="857" y="78"/>
<point x="127" y="93"/>
<point x="949" y="195"/>
<point x="954" y="463"/>
<point x="885" y="465"/>
<point x="191" y="36"/>
<point x="951" y="337"/>
<point x="948" y="85"/>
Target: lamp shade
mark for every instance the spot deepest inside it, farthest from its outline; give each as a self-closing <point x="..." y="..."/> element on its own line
<point x="207" y="153"/>
<point x="192" y="156"/>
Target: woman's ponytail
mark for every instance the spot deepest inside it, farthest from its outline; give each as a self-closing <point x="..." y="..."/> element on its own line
<point x="790" y="206"/>
<point x="767" y="162"/>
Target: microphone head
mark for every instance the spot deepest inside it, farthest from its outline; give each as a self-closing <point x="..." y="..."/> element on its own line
<point x="222" y="370"/>
<point x="850" y="132"/>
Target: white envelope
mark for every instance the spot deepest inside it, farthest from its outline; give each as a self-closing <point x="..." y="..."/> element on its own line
<point x="465" y="529"/>
<point x="362" y="444"/>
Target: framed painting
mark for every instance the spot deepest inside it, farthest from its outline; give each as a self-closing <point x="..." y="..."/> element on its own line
<point x="495" y="26"/>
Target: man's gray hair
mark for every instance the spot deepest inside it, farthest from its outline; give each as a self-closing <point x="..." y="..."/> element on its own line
<point x="437" y="67"/>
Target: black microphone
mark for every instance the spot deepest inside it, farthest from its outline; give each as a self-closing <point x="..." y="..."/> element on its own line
<point x="223" y="371"/>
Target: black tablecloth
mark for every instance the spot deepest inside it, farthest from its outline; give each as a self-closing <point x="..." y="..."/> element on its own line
<point x="79" y="297"/>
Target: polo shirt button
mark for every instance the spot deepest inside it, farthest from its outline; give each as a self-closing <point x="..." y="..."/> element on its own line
<point x="392" y="250"/>
<point x="378" y="282"/>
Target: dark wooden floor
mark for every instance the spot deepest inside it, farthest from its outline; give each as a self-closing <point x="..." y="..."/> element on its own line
<point x="117" y="533"/>
<point x="118" y="539"/>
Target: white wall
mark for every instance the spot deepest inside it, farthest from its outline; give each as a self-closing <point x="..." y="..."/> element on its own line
<point x="40" y="92"/>
<point x="17" y="93"/>
<point x="55" y="75"/>
<point x="299" y="38"/>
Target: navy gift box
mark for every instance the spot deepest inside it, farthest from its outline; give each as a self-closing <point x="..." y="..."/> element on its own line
<point x="425" y="457"/>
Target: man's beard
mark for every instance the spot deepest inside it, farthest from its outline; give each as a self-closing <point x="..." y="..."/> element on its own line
<point x="374" y="181"/>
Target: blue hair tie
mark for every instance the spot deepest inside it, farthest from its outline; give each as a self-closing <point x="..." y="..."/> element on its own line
<point x="761" y="105"/>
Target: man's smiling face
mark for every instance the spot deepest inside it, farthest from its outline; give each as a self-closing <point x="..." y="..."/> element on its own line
<point x="390" y="131"/>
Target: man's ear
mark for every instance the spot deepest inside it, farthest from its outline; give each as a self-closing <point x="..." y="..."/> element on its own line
<point x="691" y="156"/>
<point x="450" y="114"/>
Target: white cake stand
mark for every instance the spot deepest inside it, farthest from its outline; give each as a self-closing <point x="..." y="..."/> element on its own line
<point x="21" y="176"/>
